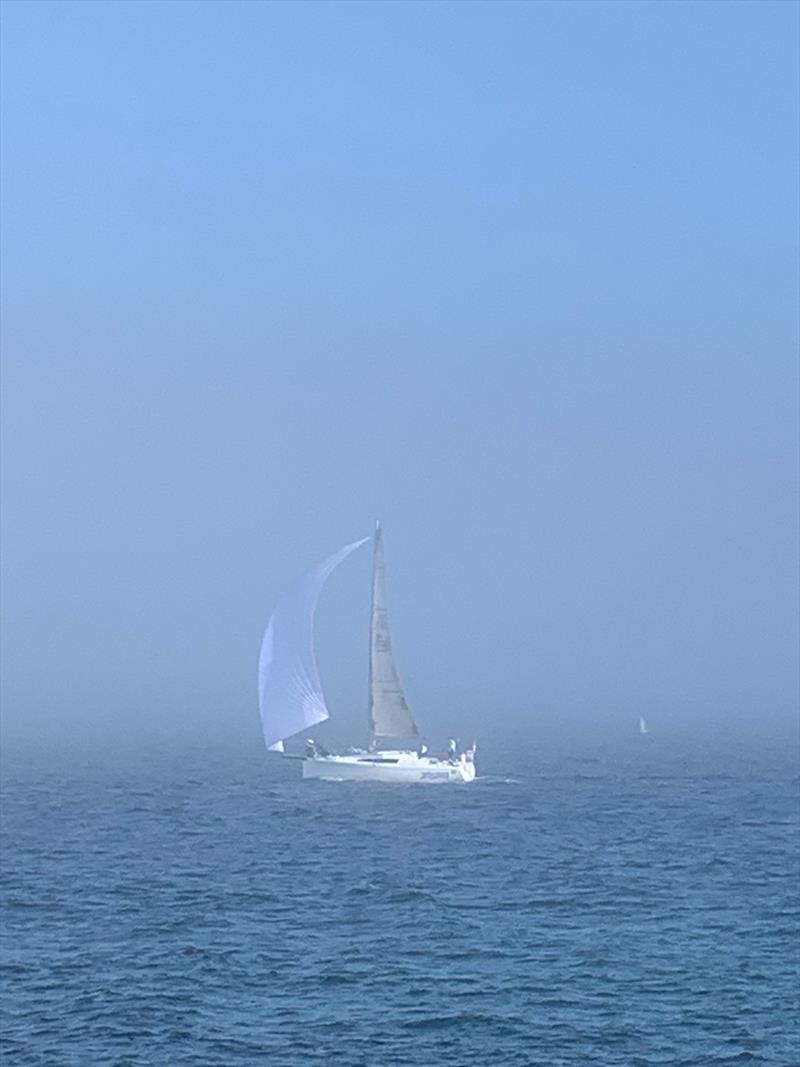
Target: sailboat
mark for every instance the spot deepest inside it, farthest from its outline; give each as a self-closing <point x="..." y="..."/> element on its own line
<point x="642" y="726"/>
<point x="291" y="700"/>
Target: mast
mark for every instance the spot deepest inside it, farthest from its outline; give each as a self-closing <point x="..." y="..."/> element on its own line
<point x="373" y="743"/>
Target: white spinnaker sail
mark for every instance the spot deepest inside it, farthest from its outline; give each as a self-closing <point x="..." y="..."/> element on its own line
<point x="289" y="689"/>
<point x="389" y="715"/>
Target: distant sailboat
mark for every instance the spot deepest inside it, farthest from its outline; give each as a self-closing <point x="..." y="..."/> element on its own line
<point x="291" y="698"/>
<point x="642" y="726"/>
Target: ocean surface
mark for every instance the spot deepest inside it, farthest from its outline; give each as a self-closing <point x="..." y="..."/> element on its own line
<point x="631" y="906"/>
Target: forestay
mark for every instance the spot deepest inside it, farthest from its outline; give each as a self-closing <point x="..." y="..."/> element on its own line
<point x="289" y="687"/>
<point x="389" y="715"/>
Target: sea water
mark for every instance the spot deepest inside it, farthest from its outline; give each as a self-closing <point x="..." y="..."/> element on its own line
<point x="635" y="906"/>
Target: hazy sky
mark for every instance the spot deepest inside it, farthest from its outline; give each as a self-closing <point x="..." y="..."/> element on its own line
<point x="520" y="279"/>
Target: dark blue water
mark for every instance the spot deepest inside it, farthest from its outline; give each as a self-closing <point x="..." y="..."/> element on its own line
<point x="633" y="908"/>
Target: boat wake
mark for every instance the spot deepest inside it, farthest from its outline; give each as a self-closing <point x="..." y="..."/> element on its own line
<point x="496" y="779"/>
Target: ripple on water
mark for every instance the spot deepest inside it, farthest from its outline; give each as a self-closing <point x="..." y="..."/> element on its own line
<point x="588" y="915"/>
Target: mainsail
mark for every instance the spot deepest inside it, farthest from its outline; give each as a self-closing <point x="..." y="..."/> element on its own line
<point x="289" y="688"/>
<point x="389" y="715"/>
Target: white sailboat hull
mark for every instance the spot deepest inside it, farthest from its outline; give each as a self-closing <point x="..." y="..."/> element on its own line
<point x="406" y="768"/>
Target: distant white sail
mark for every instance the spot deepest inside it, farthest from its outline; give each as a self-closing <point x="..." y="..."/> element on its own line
<point x="642" y="726"/>
<point x="289" y="687"/>
<point x="389" y="715"/>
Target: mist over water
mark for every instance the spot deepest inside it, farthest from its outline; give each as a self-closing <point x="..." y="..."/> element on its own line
<point x="518" y="280"/>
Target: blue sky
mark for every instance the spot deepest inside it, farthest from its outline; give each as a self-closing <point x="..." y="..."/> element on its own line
<point x="520" y="279"/>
